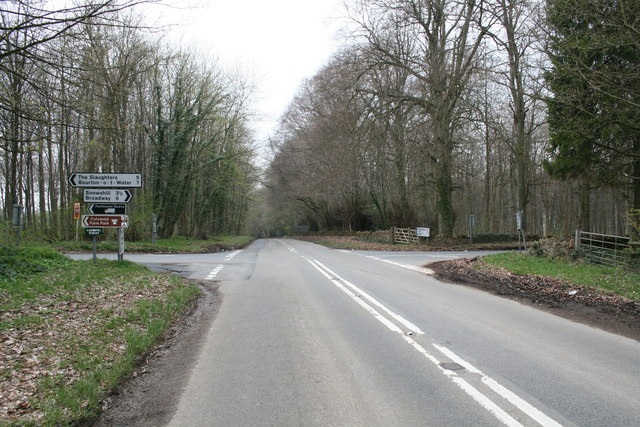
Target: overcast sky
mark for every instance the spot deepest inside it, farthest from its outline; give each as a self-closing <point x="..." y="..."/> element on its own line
<point x="278" y="43"/>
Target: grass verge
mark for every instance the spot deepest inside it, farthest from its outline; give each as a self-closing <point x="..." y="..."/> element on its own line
<point x="618" y="281"/>
<point x="173" y="245"/>
<point x="376" y="244"/>
<point x="70" y="331"/>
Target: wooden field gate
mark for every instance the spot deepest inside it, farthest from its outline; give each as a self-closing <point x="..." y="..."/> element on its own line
<point x="404" y="235"/>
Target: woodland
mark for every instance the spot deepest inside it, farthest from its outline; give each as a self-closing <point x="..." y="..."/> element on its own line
<point x="438" y="110"/>
<point x="89" y="88"/>
<point x="431" y="111"/>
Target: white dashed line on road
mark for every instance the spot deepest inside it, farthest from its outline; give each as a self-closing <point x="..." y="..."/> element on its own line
<point x="220" y="267"/>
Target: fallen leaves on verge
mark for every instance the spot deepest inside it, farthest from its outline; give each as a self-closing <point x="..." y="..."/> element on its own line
<point x="440" y="244"/>
<point x="547" y="291"/>
<point x="40" y="338"/>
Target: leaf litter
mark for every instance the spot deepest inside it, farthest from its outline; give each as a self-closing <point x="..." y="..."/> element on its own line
<point x="598" y="308"/>
<point x="41" y="339"/>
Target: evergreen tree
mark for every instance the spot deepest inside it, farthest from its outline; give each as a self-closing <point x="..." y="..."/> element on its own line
<point x="594" y="111"/>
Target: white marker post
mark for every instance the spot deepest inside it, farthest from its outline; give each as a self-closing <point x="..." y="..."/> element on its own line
<point x="121" y="244"/>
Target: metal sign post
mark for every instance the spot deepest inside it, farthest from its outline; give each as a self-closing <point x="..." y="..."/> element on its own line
<point x="94" y="240"/>
<point x="472" y="227"/>
<point x="121" y="244"/>
<point x="94" y="233"/>
<point x="17" y="221"/>
<point x="423" y="234"/>
<point x="520" y="224"/>
<point x="154" y="228"/>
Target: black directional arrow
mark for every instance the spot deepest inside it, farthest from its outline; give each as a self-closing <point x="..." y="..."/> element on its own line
<point x="128" y="196"/>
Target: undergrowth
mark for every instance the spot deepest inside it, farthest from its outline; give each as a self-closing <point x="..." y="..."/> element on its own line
<point x="73" y="329"/>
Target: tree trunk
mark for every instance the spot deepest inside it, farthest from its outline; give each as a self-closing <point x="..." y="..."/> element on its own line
<point x="444" y="188"/>
<point x="444" y="181"/>
<point x="42" y="201"/>
<point x="53" y="187"/>
<point x="634" y="214"/>
<point x="635" y="179"/>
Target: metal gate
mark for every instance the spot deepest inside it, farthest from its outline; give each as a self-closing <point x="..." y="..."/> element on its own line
<point x="603" y="249"/>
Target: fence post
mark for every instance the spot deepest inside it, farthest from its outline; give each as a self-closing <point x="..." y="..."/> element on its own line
<point x="577" y="240"/>
<point x="393" y="235"/>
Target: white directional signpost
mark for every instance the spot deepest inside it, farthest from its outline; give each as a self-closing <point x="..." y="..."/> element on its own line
<point x="93" y="195"/>
<point x="109" y="194"/>
<point x="105" y="180"/>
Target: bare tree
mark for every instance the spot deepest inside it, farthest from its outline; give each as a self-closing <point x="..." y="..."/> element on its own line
<point x="449" y="35"/>
<point x="45" y="24"/>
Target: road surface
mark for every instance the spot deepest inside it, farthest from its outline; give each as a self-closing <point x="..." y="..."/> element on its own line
<point x="312" y="336"/>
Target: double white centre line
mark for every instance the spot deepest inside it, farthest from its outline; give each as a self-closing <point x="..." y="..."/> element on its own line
<point x="359" y="295"/>
<point x="219" y="268"/>
<point x="396" y="323"/>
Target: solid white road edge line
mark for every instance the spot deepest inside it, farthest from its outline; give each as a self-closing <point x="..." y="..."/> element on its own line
<point x="231" y="255"/>
<point x="408" y="267"/>
<point x="471" y="391"/>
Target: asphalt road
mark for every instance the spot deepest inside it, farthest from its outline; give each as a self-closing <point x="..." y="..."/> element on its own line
<point x="312" y="336"/>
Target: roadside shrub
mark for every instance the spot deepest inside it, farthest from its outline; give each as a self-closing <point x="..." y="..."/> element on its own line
<point x="22" y="262"/>
<point x="495" y="238"/>
<point x="554" y="248"/>
<point x="536" y="250"/>
<point x="632" y="259"/>
<point x="379" y="236"/>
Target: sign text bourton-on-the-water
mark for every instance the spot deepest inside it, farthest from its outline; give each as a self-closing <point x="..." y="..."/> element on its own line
<point x="109" y="195"/>
<point x="105" y="180"/>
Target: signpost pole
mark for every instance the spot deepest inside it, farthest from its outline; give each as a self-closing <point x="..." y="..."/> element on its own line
<point x="423" y="234"/>
<point x="76" y="218"/>
<point x="17" y="221"/>
<point x="154" y="229"/>
<point x="520" y="224"/>
<point x="95" y="244"/>
<point x="120" y="244"/>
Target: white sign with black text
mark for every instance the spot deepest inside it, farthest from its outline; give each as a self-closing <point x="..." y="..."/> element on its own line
<point x="423" y="232"/>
